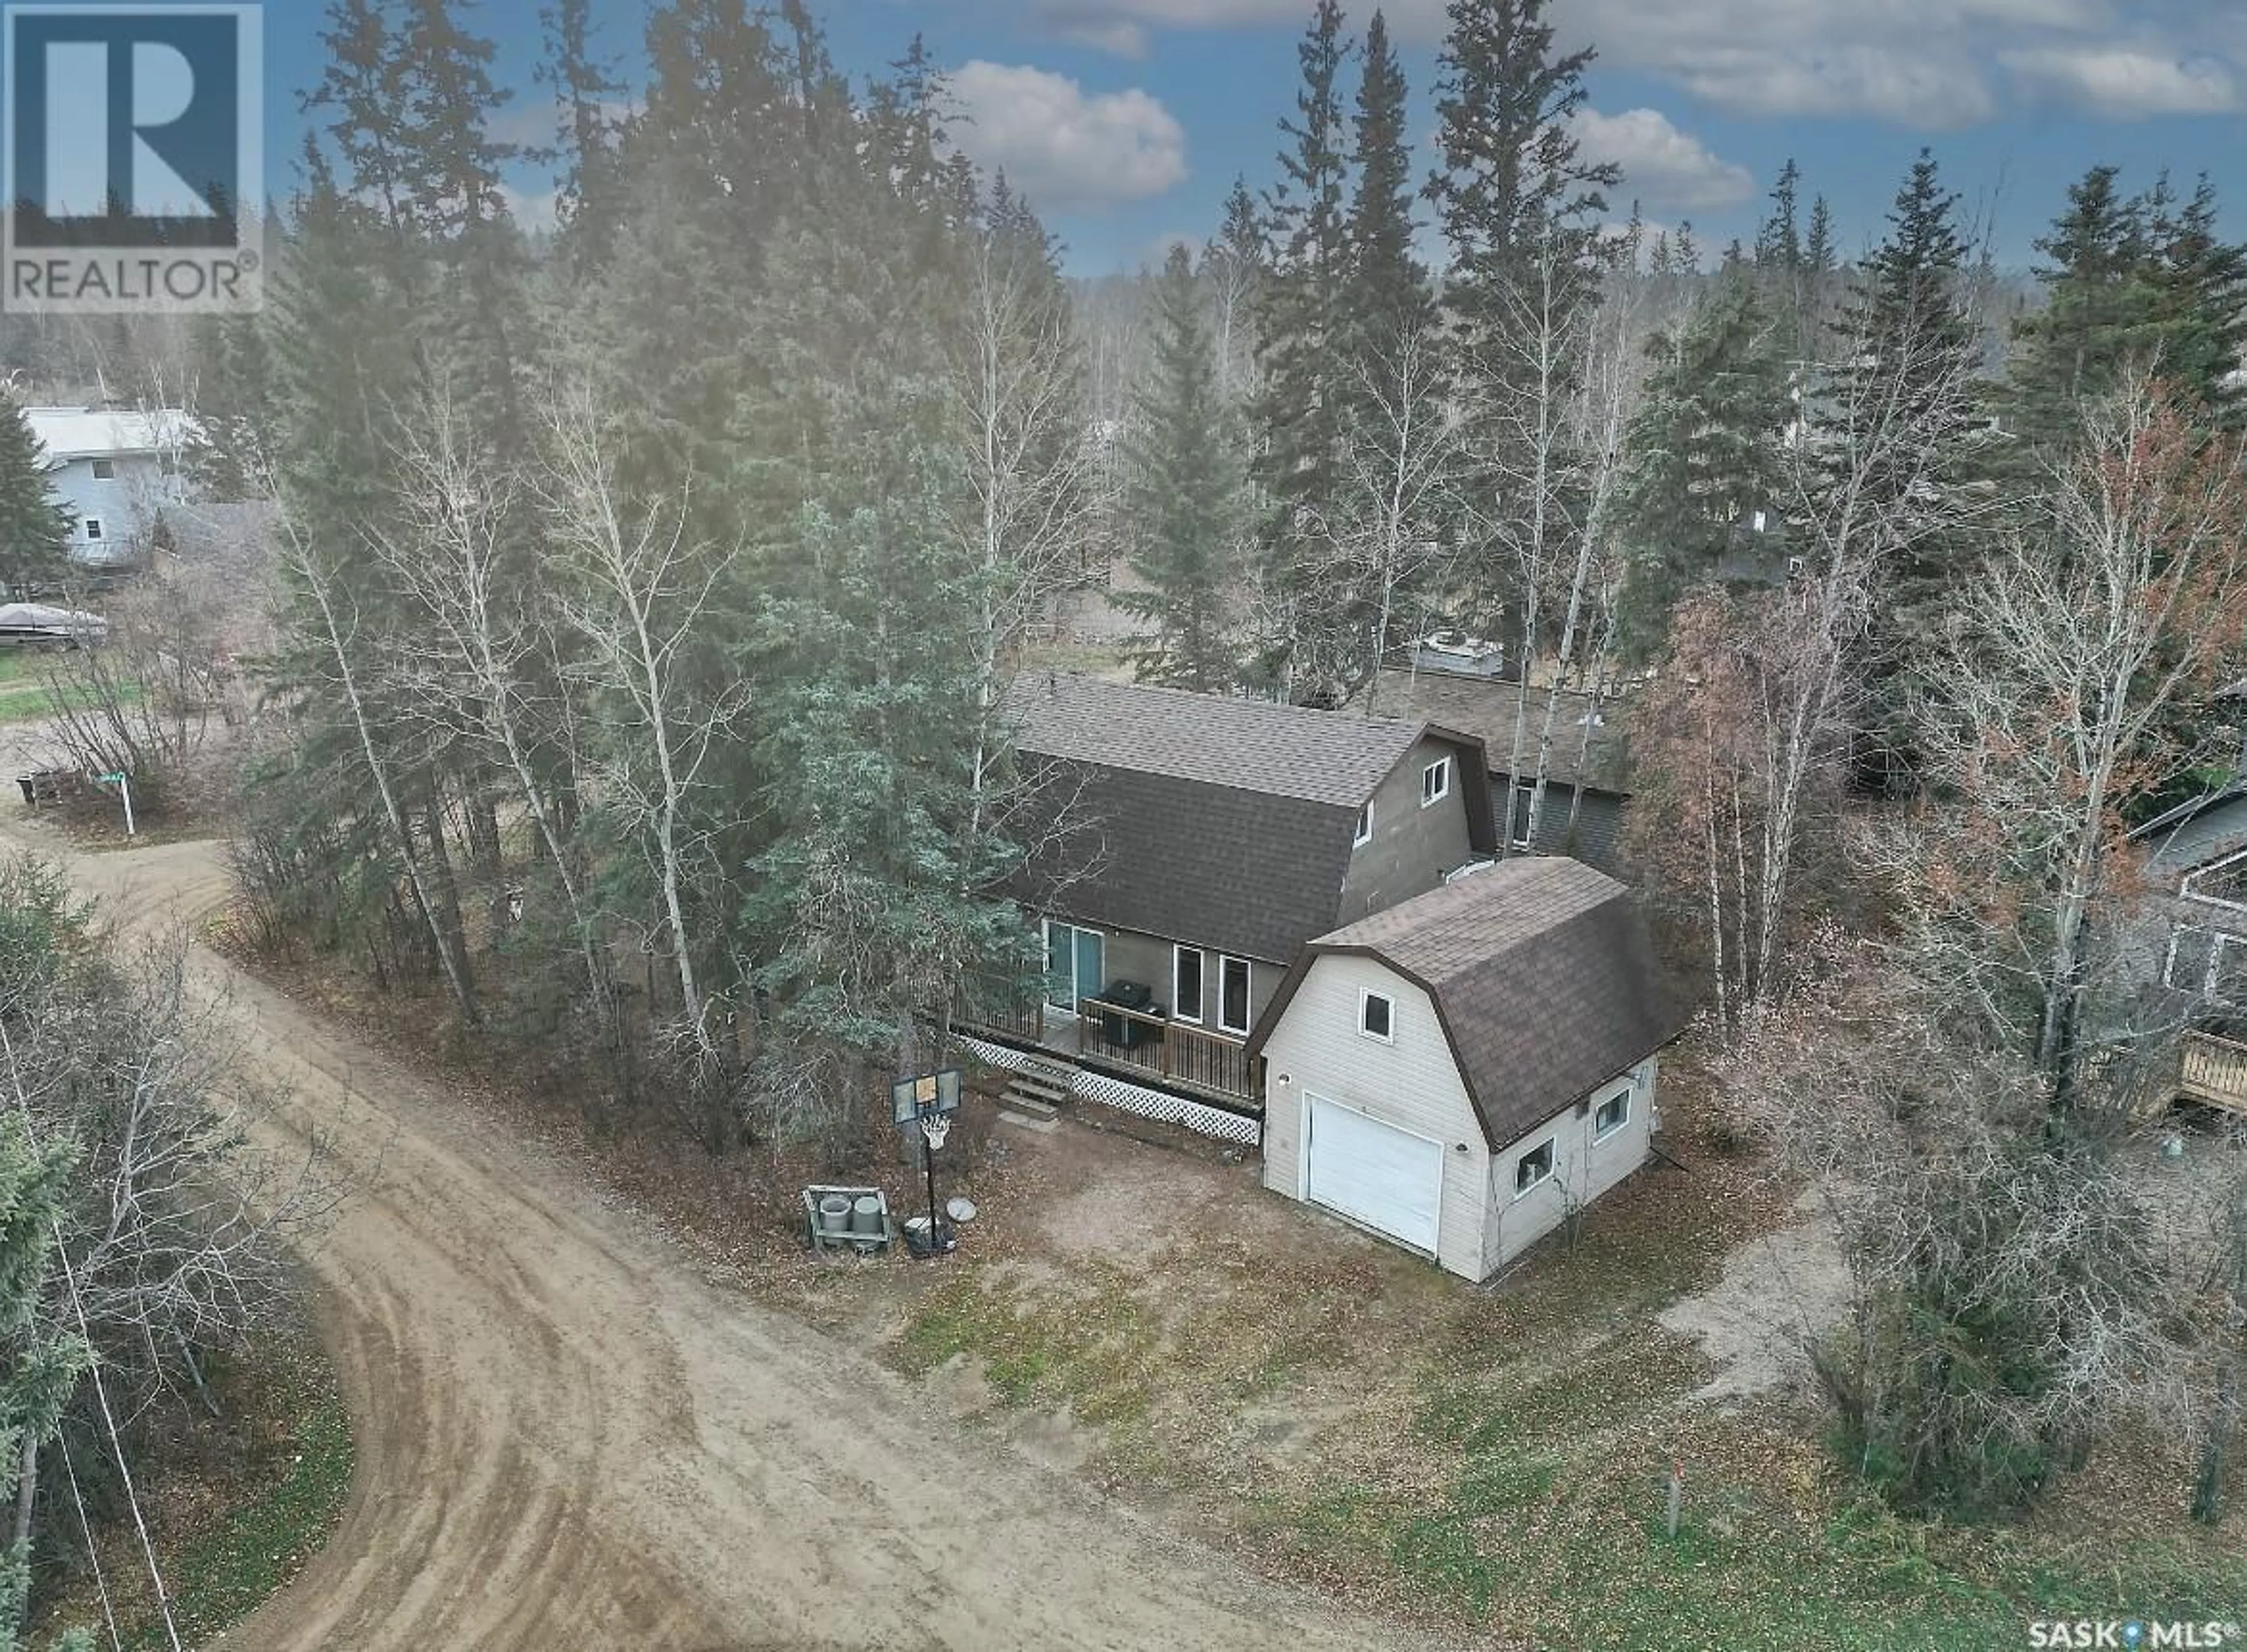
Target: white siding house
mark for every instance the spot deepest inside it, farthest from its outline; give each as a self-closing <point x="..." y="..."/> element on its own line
<point x="1461" y="1072"/>
<point x="112" y="471"/>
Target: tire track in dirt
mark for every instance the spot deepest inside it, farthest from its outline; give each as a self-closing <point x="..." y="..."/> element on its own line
<point x="567" y="1440"/>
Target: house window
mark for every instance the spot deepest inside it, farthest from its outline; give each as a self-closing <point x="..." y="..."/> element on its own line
<point x="105" y="470"/>
<point x="1525" y="798"/>
<point x="92" y="531"/>
<point x="1187" y="963"/>
<point x="1532" y="1167"/>
<point x="1614" y="1113"/>
<point x="1365" y="825"/>
<point x="1436" y="781"/>
<point x="2227" y="970"/>
<point x="1376" y="1015"/>
<point x="1232" y="984"/>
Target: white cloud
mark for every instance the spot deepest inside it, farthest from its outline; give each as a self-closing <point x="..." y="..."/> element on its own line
<point x="1662" y="167"/>
<point x="1066" y="149"/>
<point x="2126" y="83"/>
<point x="1926" y="64"/>
<point x="1121" y="37"/>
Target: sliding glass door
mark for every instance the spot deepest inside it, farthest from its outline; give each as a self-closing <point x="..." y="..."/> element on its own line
<point x="1075" y="961"/>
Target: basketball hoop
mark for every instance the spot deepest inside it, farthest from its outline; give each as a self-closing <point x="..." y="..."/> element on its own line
<point x="935" y="1128"/>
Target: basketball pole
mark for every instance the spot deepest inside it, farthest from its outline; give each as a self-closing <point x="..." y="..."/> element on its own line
<point x="928" y="1159"/>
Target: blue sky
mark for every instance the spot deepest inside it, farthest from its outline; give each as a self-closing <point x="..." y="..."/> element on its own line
<point x="1127" y="119"/>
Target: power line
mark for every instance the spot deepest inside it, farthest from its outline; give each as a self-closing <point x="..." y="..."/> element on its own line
<point x="93" y="1554"/>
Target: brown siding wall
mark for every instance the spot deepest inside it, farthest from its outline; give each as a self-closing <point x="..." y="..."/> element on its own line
<point x="1412" y="847"/>
<point x="1133" y="956"/>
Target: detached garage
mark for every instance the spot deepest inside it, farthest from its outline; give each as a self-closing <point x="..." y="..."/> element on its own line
<point x="1457" y="1073"/>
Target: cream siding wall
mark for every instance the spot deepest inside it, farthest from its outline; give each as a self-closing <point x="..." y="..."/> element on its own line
<point x="1582" y="1169"/>
<point x="1411" y="1083"/>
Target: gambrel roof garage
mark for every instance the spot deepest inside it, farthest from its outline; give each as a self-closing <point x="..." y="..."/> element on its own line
<point x="1459" y="1072"/>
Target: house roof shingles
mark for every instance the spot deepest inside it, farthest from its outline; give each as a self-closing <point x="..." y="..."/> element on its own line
<point x="1542" y="973"/>
<point x="1278" y="751"/>
<point x="1489" y="710"/>
<point x="1224" y="824"/>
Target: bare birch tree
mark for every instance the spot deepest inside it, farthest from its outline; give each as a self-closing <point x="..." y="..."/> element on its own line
<point x="341" y="652"/>
<point x="480" y="661"/>
<point x="639" y="597"/>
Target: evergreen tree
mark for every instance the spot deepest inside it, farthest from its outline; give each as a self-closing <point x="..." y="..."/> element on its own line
<point x="2096" y="321"/>
<point x="586" y="88"/>
<point x="2199" y="284"/>
<point x="228" y="453"/>
<point x="1705" y="459"/>
<point x="1522" y="211"/>
<point x="1183" y="501"/>
<point x="1303" y="329"/>
<point x="1513" y="189"/>
<point x="1236" y="265"/>
<point x="1779" y="243"/>
<point x="1819" y="254"/>
<point x="38" y="1373"/>
<point x="1386" y="298"/>
<point x="35" y="531"/>
<point x="1897" y="434"/>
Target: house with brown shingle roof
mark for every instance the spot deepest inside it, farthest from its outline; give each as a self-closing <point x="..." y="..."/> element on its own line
<point x="1586" y="765"/>
<point x="1461" y="1072"/>
<point x="1198" y="843"/>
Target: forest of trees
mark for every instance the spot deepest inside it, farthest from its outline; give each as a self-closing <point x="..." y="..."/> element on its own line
<point x="649" y="591"/>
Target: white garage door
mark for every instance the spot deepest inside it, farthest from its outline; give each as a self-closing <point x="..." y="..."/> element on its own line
<point x="1375" y="1173"/>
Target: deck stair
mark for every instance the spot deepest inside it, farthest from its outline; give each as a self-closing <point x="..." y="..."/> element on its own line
<point x="1034" y="1092"/>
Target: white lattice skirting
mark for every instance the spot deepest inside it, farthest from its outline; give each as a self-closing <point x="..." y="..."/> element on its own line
<point x="1212" y="1121"/>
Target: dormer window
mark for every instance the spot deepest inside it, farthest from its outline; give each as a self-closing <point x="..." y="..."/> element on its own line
<point x="1376" y="1015"/>
<point x="1436" y="781"/>
<point x="1364" y="834"/>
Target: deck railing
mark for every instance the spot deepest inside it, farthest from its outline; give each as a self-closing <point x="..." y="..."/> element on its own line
<point x="1026" y="1022"/>
<point x="2214" y="1071"/>
<point x="1215" y="1062"/>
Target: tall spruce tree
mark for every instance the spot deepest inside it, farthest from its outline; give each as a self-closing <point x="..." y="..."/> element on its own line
<point x="2097" y="320"/>
<point x="1899" y="436"/>
<point x="1705" y="474"/>
<point x="1513" y="188"/>
<point x="2199" y="283"/>
<point x="1184" y="501"/>
<point x="1521" y="208"/>
<point x="1303" y="326"/>
<point x="35" y="530"/>
<point x="1386" y="298"/>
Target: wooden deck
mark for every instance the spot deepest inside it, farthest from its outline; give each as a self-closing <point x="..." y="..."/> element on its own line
<point x="2213" y="1070"/>
<point x="1189" y="1060"/>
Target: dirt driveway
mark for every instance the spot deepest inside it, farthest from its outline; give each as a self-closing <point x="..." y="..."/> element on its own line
<point x="567" y="1441"/>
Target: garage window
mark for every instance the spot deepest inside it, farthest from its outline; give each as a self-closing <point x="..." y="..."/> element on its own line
<point x="1614" y="1113"/>
<point x="1376" y="1015"/>
<point x="1534" y="1166"/>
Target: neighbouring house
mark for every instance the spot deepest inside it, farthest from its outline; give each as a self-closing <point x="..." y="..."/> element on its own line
<point x="114" y="470"/>
<point x="2196" y="870"/>
<point x="1461" y="1073"/>
<point x="1191" y="845"/>
<point x="1584" y="786"/>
